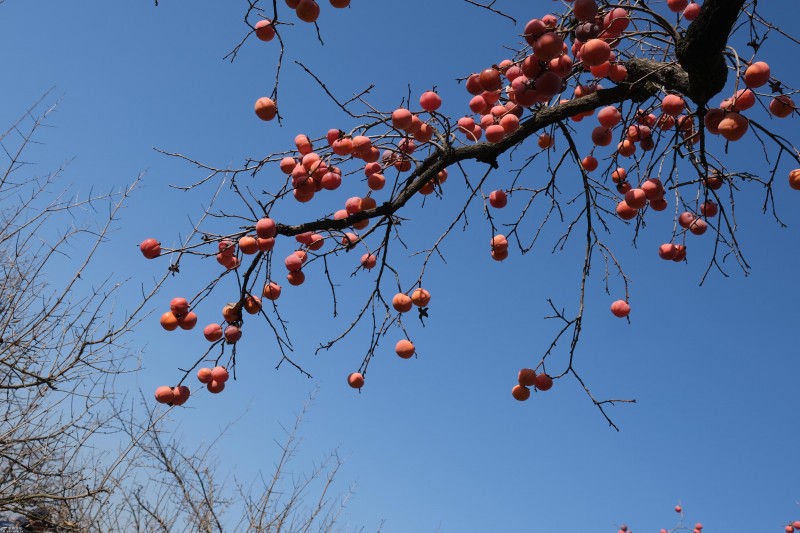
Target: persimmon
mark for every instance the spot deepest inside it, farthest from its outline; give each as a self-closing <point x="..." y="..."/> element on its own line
<point x="595" y="52"/>
<point x="509" y="123"/>
<point x="150" y="248"/>
<point x="667" y="251"/>
<point x="543" y="382"/>
<point x="303" y="144"/>
<point x="676" y="6"/>
<point x="584" y="10"/>
<point x="349" y="240"/>
<point x="232" y="334"/>
<point x="215" y="387"/>
<point x="658" y="204"/>
<point x="368" y="261"/>
<point x="601" y="136"/>
<point x="248" y="245"/>
<point x="169" y="321"/>
<point x="733" y="126"/>
<point x="401" y="302"/>
<point x="499" y="243"/>
<point x="589" y="163"/>
<point x="620" y="308"/>
<point x="401" y="118"/>
<point x="180" y="394"/>
<point x="685" y="219"/>
<point x="545" y="141"/>
<point x="616" y="21"/>
<point x="794" y="179"/>
<point x="498" y="199"/>
<point x="635" y="198"/>
<point x="376" y="182"/>
<point x="653" y="189"/>
<point x="204" y="375"/>
<point x="691" y="11"/>
<point x="164" y="394"/>
<point x="420" y="297"/>
<point x="293" y="263"/>
<point x="782" y="106"/>
<point x="265" y="228"/>
<point x="343" y="146"/>
<point x="265" y="108"/>
<point x="265" y="245"/>
<point x="490" y="79"/>
<point x="179" y="306"/>
<point x="212" y="332"/>
<point x="709" y="208"/>
<point x="500" y="255"/>
<point x="220" y="374"/>
<point x="252" y="304"/>
<point x="430" y="101"/>
<point x="625" y="212"/>
<point x="626" y="148"/>
<point x="534" y="29"/>
<point x="316" y="242"/>
<point x="296" y="278"/>
<point x="232" y="312"/>
<point x="520" y="393"/>
<point x="272" y="291"/>
<point x="526" y="377"/>
<point x="340" y="4"/>
<point x="307" y="10"/>
<point x="265" y="30"/>
<point x="672" y="105"/>
<point x="609" y="116"/>
<point x="698" y="226"/>
<point x="404" y="348"/>
<point x="757" y="74"/>
<point x="495" y="133"/>
<point x="187" y="321"/>
<point x="355" y="380"/>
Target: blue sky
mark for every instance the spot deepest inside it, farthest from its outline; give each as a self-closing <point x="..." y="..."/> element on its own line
<point x="435" y="441"/>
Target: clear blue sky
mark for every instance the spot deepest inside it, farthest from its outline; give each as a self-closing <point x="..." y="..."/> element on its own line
<point x="435" y="441"/>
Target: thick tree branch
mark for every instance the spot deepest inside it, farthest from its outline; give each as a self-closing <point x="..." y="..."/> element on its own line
<point x="700" y="51"/>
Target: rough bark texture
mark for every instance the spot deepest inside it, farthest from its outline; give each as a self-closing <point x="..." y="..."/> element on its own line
<point x="700" y="51"/>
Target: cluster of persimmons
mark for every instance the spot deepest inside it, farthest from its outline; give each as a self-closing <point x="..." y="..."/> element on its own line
<point x="500" y="95"/>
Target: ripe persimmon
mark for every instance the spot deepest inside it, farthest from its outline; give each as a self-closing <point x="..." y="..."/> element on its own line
<point x="265" y="108"/>
<point x="215" y="387"/>
<point x="169" y="321"/>
<point x="180" y="394"/>
<point x="620" y="308"/>
<point x="204" y="374"/>
<point x="232" y="334"/>
<point x="404" y="348"/>
<point x="498" y="199"/>
<point x="150" y="248"/>
<point x="355" y="380"/>
<point x="187" y="321"/>
<point x="420" y="297"/>
<point x="543" y="381"/>
<point x="526" y="377"/>
<point x="265" y="30"/>
<point x="164" y="394"/>
<point x="212" y="332"/>
<point x="307" y="10"/>
<point x="272" y="291"/>
<point x="520" y="393"/>
<point x="401" y="302"/>
<point x="794" y="179"/>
